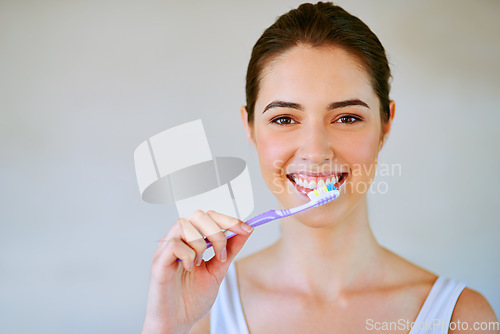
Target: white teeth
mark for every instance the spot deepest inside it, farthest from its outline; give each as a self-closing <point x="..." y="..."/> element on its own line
<point x="300" y="182"/>
<point x="313" y="184"/>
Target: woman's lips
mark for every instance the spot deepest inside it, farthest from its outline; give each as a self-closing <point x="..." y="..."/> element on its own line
<point x="304" y="190"/>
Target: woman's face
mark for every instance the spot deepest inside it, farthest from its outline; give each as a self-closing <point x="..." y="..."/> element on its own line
<point x="317" y="118"/>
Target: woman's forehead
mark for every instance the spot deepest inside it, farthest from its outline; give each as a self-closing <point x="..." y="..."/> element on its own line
<point x="306" y="72"/>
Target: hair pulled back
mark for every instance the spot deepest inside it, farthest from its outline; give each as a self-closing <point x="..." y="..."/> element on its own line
<point x="321" y="24"/>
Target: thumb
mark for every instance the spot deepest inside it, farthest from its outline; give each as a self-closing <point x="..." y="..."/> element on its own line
<point x="233" y="247"/>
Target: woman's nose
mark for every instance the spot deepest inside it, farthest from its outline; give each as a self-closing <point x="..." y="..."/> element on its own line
<point x="315" y="146"/>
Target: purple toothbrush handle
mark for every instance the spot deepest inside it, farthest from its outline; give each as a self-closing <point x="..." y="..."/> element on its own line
<point x="276" y="214"/>
<point x="254" y="222"/>
<point x="263" y="218"/>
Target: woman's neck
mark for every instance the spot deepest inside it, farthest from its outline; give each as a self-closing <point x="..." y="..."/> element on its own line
<point x="335" y="258"/>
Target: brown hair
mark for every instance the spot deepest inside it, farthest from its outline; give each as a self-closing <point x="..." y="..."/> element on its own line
<point x="319" y="25"/>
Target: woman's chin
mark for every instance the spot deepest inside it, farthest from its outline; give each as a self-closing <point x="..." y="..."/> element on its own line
<point x="290" y="195"/>
<point x="318" y="217"/>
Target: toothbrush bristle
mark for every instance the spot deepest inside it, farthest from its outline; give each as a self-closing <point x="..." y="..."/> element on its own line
<point x="321" y="191"/>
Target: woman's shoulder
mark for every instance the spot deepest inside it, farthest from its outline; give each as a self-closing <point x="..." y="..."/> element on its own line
<point x="405" y="279"/>
<point x="473" y="308"/>
<point x="406" y="272"/>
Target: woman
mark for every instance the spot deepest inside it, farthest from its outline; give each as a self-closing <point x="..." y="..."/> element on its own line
<point x="317" y="109"/>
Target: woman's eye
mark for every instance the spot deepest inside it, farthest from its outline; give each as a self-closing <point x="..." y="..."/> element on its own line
<point x="347" y="119"/>
<point x="283" y="120"/>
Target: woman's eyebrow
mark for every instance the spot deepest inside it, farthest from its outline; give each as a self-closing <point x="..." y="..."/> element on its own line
<point x="282" y="104"/>
<point x="347" y="103"/>
<point x="334" y="105"/>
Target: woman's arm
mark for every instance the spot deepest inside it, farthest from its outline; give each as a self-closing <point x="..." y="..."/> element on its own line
<point x="471" y="312"/>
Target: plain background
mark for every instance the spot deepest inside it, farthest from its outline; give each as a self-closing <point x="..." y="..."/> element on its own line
<point x="82" y="83"/>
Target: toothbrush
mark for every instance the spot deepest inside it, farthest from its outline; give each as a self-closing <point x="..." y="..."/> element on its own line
<point x="318" y="197"/>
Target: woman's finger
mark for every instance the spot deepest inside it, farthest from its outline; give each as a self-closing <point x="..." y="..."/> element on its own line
<point x="194" y="239"/>
<point x="230" y="223"/>
<point x="234" y="245"/>
<point x="213" y="232"/>
<point x="168" y="249"/>
<point x="189" y="232"/>
<point x="168" y="253"/>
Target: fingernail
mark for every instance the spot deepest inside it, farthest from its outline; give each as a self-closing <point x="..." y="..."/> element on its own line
<point x="247" y="227"/>
<point x="198" y="261"/>
<point x="223" y="255"/>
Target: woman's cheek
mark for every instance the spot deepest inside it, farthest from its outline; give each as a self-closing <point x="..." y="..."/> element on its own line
<point x="273" y="153"/>
<point x="361" y="154"/>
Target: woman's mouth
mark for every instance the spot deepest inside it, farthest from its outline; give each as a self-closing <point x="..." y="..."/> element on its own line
<point x="307" y="183"/>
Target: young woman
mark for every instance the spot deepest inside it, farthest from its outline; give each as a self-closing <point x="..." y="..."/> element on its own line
<point x="318" y="111"/>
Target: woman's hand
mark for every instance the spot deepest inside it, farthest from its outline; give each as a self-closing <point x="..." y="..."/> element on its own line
<point x="181" y="293"/>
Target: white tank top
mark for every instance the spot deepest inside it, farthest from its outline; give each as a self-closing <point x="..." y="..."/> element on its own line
<point x="226" y="315"/>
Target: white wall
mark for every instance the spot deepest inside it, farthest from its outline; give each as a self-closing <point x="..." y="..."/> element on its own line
<point x="83" y="83"/>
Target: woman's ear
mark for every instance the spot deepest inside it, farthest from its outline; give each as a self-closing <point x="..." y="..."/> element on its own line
<point x="386" y="127"/>
<point x="248" y="127"/>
